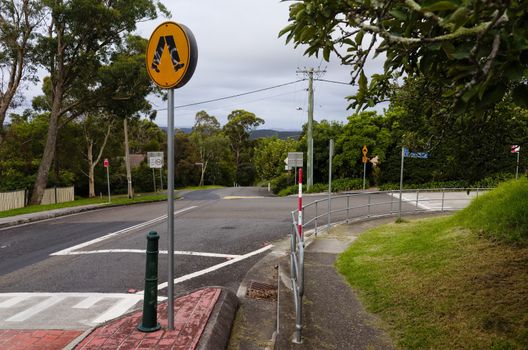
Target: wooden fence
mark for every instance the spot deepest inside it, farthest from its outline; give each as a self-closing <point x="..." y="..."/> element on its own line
<point x="12" y="200"/>
<point x="17" y="199"/>
<point x="64" y="194"/>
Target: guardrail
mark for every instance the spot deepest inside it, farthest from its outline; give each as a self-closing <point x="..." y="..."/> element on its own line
<point x="364" y="205"/>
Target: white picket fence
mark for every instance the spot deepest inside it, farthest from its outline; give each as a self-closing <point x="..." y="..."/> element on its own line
<point x="16" y="199"/>
<point x="11" y="200"/>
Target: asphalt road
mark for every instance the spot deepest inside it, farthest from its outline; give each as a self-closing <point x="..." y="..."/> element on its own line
<point x="227" y="222"/>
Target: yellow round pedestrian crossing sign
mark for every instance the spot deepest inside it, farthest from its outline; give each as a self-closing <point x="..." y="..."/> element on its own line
<point x="172" y="54"/>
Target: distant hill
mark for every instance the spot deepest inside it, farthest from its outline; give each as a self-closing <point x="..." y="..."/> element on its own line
<point x="256" y="134"/>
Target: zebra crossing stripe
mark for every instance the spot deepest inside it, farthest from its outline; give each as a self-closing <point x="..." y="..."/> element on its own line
<point x="35" y="309"/>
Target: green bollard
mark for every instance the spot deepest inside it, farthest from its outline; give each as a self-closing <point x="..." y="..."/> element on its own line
<point x="149" y="322"/>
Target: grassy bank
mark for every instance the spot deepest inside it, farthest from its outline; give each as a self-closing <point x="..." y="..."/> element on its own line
<point x="458" y="282"/>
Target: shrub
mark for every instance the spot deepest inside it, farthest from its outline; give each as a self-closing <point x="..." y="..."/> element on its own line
<point x="341" y="185"/>
<point x="281" y="182"/>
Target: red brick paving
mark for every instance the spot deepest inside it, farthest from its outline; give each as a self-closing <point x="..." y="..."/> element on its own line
<point x="32" y="339"/>
<point x="191" y="313"/>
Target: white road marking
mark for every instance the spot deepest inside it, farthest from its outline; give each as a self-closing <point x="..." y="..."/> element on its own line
<point x="243" y="197"/>
<point x="13" y="301"/>
<point x="214" y="267"/>
<point x="411" y="199"/>
<point x="141" y="251"/>
<point x="35" y="309"/>
<point x="88" y="302"/>
<point x="117" y="310"/>
<point x="113" y="234"/>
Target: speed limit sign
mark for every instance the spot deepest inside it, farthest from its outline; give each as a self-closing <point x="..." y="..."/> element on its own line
<point x="155" y="160"/>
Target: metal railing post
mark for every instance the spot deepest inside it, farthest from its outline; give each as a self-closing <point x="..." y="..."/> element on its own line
<point x="316" y="214"/>
<point x="417" y="196"/>
<point x="392" y="200"/>
<point x="477" y="191"/>
<point x="348" y="207"/>
<point x="443" y="195"/>
<point x="368" y="209"/>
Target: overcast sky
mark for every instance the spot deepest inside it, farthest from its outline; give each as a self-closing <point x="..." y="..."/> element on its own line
<point x="239" y="51"/>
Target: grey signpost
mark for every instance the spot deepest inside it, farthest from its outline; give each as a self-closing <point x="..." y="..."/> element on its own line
<point x="155" y="160"/>
<point x="171" y="59"/>
<point x="401" y="182"/>
<point x="330" y="155"/>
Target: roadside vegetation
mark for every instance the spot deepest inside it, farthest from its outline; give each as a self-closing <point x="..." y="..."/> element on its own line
<point x="457" y="282"/>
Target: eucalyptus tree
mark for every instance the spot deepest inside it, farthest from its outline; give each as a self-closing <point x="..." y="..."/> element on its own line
<point x="239" y="124"/>
<point x="19" y="23"/>
<point x="82" y="36"/>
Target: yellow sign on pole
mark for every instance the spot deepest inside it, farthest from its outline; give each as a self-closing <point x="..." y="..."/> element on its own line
<point x="364" y="159"/>
<point x="172" y="54"/>
<point x="364" y="150"/>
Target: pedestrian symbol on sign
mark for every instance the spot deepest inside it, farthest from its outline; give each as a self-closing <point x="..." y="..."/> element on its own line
<point x="175" y="57"/>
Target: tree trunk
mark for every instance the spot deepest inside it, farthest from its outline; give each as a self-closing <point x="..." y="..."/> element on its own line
<point x="91" y="166"/>
<point x="204" y="167"/>
<point x="127" y="161"/>
<point x="49" y="149"/>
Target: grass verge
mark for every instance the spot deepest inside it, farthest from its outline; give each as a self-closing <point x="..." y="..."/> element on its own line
<point x="456" y="282"/>
<point x="439" y="286"/>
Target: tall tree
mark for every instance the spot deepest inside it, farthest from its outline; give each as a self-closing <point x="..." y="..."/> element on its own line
<point x="19" y="20"/>
<point x="239" y="124"/>
<point x="81" y="36"/>
<point x="96" y="130"/>
<point x="269" y="156"/>
<point x="477" y="49"/>
<point x="205" y="134"/>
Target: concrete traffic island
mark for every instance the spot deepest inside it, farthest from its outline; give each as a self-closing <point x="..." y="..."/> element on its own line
<point x="202" y="320"/>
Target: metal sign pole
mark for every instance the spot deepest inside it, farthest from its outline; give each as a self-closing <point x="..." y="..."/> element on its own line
<point x="401" y="183"/>
<point x="364" y="174"/>
<point x="330" y="154"/>
<point x="161" y="178"/>
<point x="170" y="206"/>
<point x="154" y="179"/>
<point x="108" y="182"/>
<point x="517" y="169"/>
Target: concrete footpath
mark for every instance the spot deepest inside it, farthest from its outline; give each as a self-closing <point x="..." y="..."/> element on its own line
<point x="333" y="317"/>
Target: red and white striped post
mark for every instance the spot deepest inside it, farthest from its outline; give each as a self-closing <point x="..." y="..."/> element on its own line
<point x="300" y="215"/>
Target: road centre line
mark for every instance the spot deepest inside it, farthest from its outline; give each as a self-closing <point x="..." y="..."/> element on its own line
<point x="142" y="251"/>
<point x="214" y="267"/>
<point x="67" y="251"/>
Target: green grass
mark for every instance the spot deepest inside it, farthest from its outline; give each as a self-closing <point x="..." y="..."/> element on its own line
<point x="501" y="214"/>
<point x="116" y="200"/>
<point x="441" y="284"/>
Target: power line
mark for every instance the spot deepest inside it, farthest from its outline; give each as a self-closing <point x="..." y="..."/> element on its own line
<point x="233" y="96"/>
<point x="333" y="81"/>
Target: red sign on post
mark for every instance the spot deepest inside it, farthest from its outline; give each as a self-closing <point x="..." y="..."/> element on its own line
<point x="105" y="163"/>
<point x="515" y="149"/>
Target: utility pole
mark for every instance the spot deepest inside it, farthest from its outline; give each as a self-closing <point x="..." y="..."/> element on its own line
<point x="309" y="137"/>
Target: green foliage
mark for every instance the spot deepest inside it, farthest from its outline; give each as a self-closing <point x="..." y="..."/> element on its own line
<point x="269" y="156"/>
<point x="501" y="214"/>
<point x="478" y="53"/>
<point x="341" y="185"/>
<point x="280" y="182"/>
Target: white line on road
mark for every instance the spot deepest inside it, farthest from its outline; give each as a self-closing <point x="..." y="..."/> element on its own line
<point x="13" y="301"/>
<point x="142" y="251"/>
<point x="117" y="310"/>
<point x="88" y="302"/>
<point x="214" y="267"/>
<point x="35" y="309"/>
<point x="113" y="234"/>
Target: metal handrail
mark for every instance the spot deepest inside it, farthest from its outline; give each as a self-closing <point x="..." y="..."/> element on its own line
<point x="297" y="241"/>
